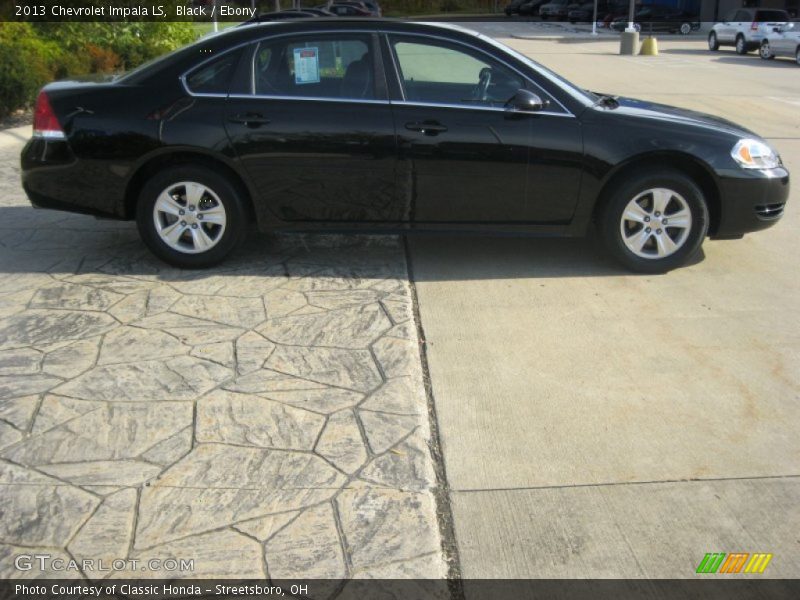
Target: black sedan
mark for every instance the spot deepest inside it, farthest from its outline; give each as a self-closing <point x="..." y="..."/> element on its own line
<point x="660" y="19"/>
<point x="360" y="124"/>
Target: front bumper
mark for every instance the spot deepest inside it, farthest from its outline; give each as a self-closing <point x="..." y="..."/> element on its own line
<point x="751" y="200"/>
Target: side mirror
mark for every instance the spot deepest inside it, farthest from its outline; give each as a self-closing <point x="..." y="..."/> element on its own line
<point x="526" y="101"/>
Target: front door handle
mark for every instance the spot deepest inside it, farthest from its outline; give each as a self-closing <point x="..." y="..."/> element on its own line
<point x="426" y="127"/>
<point x="251" y="119"/>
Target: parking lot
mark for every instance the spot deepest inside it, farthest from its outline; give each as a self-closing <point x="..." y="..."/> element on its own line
<point x="269" y="418"/>
<point x="601" y="424"/>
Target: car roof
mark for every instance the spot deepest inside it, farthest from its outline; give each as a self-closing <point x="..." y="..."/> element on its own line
<point x="252" y="30"/>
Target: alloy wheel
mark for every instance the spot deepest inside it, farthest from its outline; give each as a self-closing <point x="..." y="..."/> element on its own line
<point x="686" y="28"/>
<point x="740" y="47"/>
<point x="712" y="41"/>
<point x="189" y="217"/>
<point x="656" y="223"/>
<point x="765" y="51"/>
<point x="797" y="57"/>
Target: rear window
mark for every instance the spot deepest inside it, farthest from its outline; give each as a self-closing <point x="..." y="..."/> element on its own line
<point x="763" y="16"/>
<point x="214" y="77"/>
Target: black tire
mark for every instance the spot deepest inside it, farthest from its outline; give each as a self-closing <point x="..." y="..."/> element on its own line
<point x="797" y="57"/>
<point x="741" y="45"/>
<point x="764" y="51"/>
<point x="230" y="197"/>
<point x="616" y="200"/>
<point x="713" y="42"/>
<point x="685" y="29"/>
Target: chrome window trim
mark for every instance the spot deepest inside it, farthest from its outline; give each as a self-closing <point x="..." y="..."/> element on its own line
<point x="306" y="98"/>
<point x="488" y="108"/>
<point x="500" y="47"/>
<point x="567" y="112"/>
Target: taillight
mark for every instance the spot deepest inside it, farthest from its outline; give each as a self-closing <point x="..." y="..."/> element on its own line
<point x="45" y="123"/>
<point x="754" y="26"/>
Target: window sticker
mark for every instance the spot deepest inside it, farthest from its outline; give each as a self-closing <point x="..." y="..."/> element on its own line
<point x="306" y="65"/>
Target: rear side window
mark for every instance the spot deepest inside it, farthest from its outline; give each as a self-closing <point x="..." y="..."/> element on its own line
<point x="330" y="66"/>
<point x="765" y="16"/>
<point x="214" y="77"/>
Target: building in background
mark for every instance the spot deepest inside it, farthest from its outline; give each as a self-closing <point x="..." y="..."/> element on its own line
<point x="715" y="10"/>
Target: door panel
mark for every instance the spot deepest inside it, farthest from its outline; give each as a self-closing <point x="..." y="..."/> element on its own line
<point x="465" y="157"/>
<point x="318" y="160"/>
<point x="317" y="138"/>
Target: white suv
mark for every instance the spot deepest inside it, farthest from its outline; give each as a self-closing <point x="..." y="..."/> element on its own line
<point x="745" y="28"/>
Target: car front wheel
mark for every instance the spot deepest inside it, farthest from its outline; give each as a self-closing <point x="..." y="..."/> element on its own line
<point x="191" y="217"/>
<point x="713" y="42"/>
<point x="654" y="221"/>
<point x="764" y="51"/>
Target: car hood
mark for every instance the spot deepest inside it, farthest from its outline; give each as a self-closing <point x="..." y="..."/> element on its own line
<point x="663" y="112"/>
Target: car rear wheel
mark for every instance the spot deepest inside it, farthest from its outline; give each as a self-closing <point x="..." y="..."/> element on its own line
<point x="713" y="42"/>
<point x="741" y="45"/>
<point x="191" y="217"/>
<point x="686" y="28"/>
<point x="654" y="221"/>
<point x="765" y="52"/>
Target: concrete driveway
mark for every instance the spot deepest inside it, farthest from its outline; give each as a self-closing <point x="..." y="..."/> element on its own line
<point x="263" y="419"/>
<point x="600" y="424"/>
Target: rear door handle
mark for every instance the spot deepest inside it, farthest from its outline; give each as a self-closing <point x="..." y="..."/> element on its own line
<point x="426" y="127"/>
<point x="251" y="119"/>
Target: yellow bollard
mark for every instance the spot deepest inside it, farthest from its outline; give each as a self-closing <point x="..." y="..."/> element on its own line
<point x="649" y="47"/>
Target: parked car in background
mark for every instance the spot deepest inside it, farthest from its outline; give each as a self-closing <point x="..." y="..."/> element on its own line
<point x="783" y="41"/>
<point x="282" y="15"/>
<point x="615" y="11"/>
<point x="349" y="10"/>
<point x="658" y="18"/>
<point x="583" y="13"/>
<point x="555" y="9"/>
<point x="513" y="7"/>
<point x="320" y="12"/>
<point x="319" y="125"/>
<point x="372" y="8"/>
<point x="746" y="28"/>
<point x="530" y="8"/>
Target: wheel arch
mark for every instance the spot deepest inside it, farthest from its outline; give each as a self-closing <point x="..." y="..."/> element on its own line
<point x="690" y="165"/>
<point x="183" y="156"/>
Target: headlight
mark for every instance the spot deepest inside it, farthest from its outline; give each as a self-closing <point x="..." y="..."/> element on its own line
<point x="752" y="154"/>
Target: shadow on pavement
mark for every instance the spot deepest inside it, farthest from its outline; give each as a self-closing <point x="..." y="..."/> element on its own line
<point x="38" y="241"/>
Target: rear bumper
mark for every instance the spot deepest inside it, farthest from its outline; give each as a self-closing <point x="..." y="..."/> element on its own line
<point x="751" y="201"/>
<point x="54" y="178"/>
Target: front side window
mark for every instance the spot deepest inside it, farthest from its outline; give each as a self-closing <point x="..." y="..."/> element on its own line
<point x="441" y="73"/>
<point x="315" y="66"/>
<point x="214" y="77"/>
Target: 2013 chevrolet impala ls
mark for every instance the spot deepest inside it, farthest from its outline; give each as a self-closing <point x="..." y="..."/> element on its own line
<point x="374" y="125"/>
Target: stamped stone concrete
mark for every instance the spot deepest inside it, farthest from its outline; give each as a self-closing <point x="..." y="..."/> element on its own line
<point x="266" y="418"/>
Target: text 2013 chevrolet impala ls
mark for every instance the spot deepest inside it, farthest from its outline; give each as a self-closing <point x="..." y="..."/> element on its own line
<point x="377" y="125"/>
